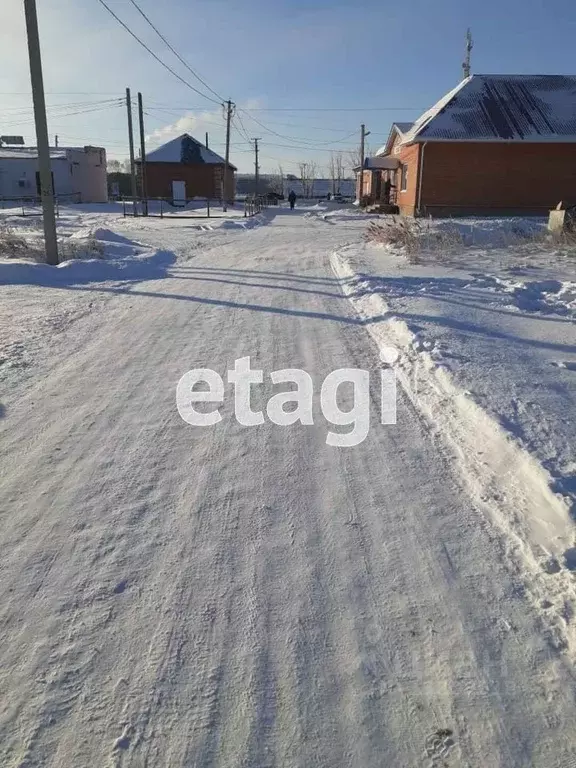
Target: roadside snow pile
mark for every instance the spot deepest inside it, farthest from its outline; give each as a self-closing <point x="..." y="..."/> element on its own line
<point x="490" y="233"/>
<point x="420" y="240"/>
<point x="247" y="223"/>
<point x="489" y="361"/>
<point x="87" y="243"/>
<point x="552" y="296"/>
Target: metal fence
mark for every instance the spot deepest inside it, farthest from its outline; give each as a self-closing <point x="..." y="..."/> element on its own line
<point x="196" y="208"/>
<point x="31" y="205"/>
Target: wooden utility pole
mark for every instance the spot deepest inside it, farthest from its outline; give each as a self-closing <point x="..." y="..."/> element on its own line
<point x="42" y="142"/>
<point x="229" y="113"/>
<point x="131" y="145"/>
<point x="363" y="134"/>
<point x="466" y="66"/>
<point x="256" y="166"/>
<point x="143" y="188"/>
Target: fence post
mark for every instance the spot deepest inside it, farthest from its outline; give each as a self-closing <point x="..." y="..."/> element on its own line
<point x="161" y="207"/>
<point x="208" y="206"/>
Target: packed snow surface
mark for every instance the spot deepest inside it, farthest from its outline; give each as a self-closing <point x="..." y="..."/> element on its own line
<point x="183" y="596"/>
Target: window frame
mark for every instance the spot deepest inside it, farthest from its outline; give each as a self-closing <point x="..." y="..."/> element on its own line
<point x="403" y="177"/>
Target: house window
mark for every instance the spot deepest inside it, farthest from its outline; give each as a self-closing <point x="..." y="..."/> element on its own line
<point x="403" y="178"/>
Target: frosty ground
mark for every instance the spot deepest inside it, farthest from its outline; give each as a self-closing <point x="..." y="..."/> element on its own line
<point x="178" y="596"/>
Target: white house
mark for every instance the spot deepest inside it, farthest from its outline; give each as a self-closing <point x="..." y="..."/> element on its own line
<point x="79" y="173"/>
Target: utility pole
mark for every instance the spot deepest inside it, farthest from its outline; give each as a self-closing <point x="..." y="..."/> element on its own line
<point x="143" y="188"/>
<point x="229" y="113"/>
<point x="256" y="166"/>
<point x="131" y="144"/>
<point x="363" y="134"/>
<point x="43" y="145"/>
<point x="466" y="66"/>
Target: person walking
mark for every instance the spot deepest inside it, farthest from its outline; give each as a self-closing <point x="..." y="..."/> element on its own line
<point x="292" y="199"/>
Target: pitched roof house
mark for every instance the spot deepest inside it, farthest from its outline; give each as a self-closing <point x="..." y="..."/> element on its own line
<point x="184" y="168"/>
<point x="495" y="144"/>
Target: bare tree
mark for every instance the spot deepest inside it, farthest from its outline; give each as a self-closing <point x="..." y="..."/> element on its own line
<point x="353" y="156"/>
<point x="336" y="171"/>
<point x="312" y="175"/>
<point x="118" y="166"/>
<point x="339" y="169"/>
<point x="277" y="181"/>
<point x="308" y="173"/>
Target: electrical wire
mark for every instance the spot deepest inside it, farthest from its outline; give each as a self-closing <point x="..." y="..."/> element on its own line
<point x="175" y="52"/>
<point x="158" y="59"/>
<point x="242" y="128"/>
<point x="57" y="116"/>
<point x="303" y="143"/>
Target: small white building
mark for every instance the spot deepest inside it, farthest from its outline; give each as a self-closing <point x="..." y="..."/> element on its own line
<point x="79" y="173"/>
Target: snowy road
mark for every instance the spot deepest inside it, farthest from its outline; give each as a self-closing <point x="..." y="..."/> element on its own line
<point x="232" y="596"/>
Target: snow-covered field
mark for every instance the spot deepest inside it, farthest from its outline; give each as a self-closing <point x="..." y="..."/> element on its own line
<point x="182" y="596"/>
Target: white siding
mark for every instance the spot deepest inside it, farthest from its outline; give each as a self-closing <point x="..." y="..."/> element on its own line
<point x="89" y="173"/>
<point x="79" y="174"/>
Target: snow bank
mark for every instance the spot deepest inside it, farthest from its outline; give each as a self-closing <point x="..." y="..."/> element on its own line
<point x="523" y="500"/>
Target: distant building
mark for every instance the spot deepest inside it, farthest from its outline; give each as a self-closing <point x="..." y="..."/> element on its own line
<point x="245" y="185"/>
<point x="184" y="169"/>
<point x="78" y="173"/>
<point x="496" y="144"/>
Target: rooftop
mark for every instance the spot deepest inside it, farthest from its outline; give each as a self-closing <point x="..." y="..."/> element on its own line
<point x="31" y="153"/>
<point x="184" y="149"/>
<point x="531" y="108"/>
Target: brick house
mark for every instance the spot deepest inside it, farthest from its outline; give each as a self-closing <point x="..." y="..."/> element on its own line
<point x="184" y="169"/>
<point x="495" y="145"/>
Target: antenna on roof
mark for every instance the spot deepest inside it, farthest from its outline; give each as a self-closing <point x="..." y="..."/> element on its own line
<point x="469" y="46"/>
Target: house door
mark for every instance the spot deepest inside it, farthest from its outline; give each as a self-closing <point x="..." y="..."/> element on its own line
<point x="179" y="193"/>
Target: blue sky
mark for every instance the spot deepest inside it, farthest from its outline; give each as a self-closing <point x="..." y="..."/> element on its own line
<point x="286" y="64"/>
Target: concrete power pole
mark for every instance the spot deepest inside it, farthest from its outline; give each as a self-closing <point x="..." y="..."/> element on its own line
<point x="466" y="66"/>
<point x="230" y="107"/>
<point x="131" y="144"/>
<point x="256" y="166"/>
<point x="44" y="165"/>
<point x="143" y="187"/>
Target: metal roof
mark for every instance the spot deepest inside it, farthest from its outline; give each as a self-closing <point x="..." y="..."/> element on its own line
<point x="30" y="153"/>
<point x="185" y="149"/>
<point x="379" y="164"/>
<point x="532" y="108"/>
<point x="397" y="129"/>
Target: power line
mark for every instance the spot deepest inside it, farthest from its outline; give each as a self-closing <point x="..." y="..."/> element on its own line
<point x="307" y="144"/>
<point x="335" y="109"/>
<point x="15" y="111"/>
<point x="158" y="59"/>
<point x="242" y="128"/>
<point x="57" y="116"/>
<point x="175" y="52"/>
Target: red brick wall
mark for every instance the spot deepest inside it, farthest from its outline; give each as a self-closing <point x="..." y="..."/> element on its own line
<point x="201" y="180"/>
<point x="468" y="177"/>
<point x="406" y="200"/>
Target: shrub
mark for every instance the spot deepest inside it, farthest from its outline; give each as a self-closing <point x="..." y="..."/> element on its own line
<point x="12" y="246"/>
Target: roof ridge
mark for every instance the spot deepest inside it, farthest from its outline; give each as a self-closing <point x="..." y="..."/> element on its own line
<point x="502" y="108"/>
